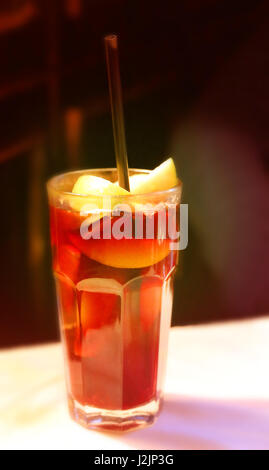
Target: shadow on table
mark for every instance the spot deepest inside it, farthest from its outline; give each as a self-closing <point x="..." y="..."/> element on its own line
<point x="191" y="423"/>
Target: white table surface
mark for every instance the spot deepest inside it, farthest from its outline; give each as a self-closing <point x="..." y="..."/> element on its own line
<point x="217" y="395"/>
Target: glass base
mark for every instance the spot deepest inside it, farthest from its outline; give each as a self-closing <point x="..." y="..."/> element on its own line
<point x="114" y="420"/>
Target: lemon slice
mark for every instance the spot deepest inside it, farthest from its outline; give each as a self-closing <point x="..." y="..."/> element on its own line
<point x="94" y="187"/>
<point x="125" y="253"/>
<point x="161" y="178"/>
<point x="87" y="185"/>
<point x="135" y="181"/>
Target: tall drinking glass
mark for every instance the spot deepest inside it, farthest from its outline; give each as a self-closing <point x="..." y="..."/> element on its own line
<point x="113" y="262"/>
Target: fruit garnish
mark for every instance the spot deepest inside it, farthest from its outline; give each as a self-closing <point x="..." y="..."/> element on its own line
<point x="135" y="180"/>
<point x="125" y="253"/>
<point x="161" y="178"/>
<point x="90" y="185"/>
<point x="87" y="185"/>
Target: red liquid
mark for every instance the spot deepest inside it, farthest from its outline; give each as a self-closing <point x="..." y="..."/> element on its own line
<point x="110" y="316"/>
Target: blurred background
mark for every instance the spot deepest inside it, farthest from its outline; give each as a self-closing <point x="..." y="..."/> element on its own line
<point x="195" y="80"/>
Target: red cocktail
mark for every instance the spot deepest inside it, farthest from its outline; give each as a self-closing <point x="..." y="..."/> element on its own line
<point x="115" y="297"/>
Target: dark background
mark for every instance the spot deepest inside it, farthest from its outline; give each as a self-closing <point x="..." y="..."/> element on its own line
<point x="195" y="79"/>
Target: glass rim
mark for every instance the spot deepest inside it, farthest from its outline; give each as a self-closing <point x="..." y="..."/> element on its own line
<point x="51" y="184"/>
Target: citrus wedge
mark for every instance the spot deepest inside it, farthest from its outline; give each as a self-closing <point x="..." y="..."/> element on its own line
<point x="94" y="187"/>
<point x="161" y="178"/>
<point x="124" y="253"/>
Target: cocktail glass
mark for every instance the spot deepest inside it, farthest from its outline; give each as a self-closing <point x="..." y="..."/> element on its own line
<point x="114" y="299"/>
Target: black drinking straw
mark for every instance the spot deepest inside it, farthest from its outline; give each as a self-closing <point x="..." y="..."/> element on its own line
<point x="115" y="93"/>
